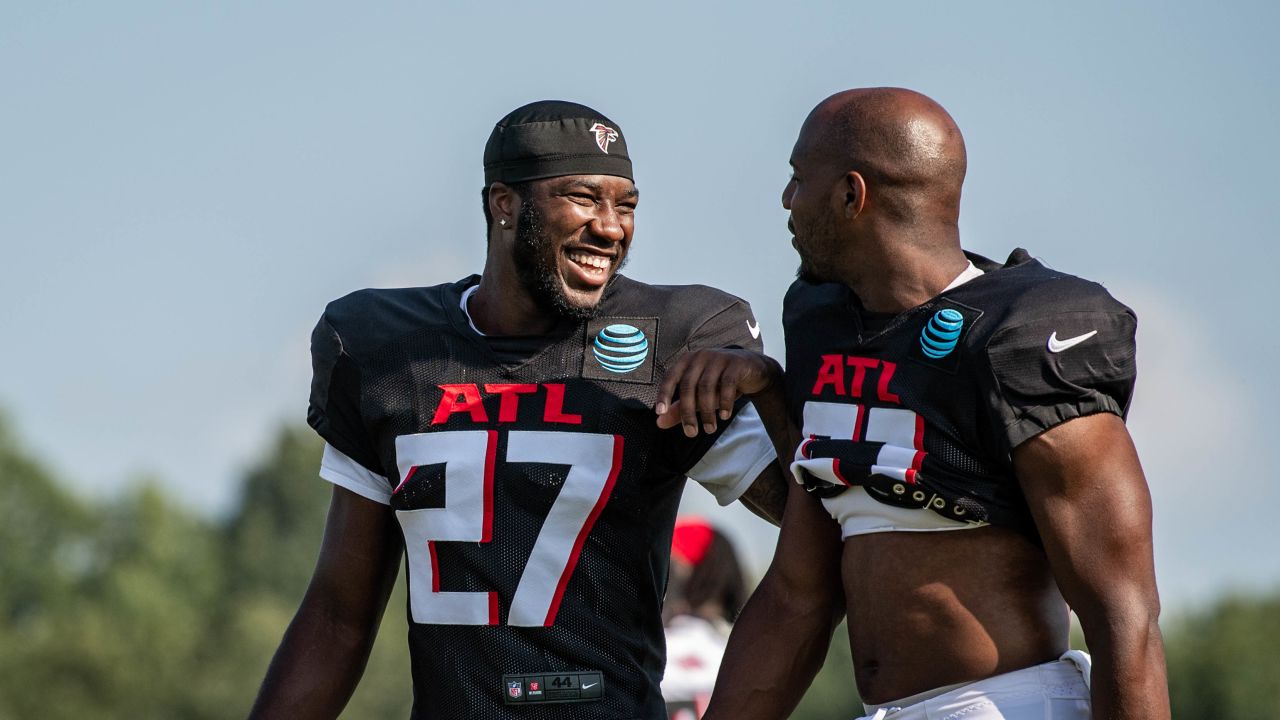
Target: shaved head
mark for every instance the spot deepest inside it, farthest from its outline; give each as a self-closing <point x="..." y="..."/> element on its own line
<point x="905" y="145"/>
<point x="874" y="196"/>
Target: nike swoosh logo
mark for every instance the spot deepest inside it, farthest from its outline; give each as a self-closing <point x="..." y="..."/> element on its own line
<point x="588" y="686"/>
<point x="1057" y="346"/>
<point x="754" y="330"/>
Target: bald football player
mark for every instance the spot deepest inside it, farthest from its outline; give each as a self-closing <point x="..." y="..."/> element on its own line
<point x="957" y="426"/>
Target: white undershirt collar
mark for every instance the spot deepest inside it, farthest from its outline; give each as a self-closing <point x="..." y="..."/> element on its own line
<point x="965" y="276"/>
<point x="466" y="295"/>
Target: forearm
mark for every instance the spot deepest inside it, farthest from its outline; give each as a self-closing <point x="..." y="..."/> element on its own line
<point x="326" y="647"/>
<point x="771" y="405"/>
<point x="776" y="648"/>
<point x="767" y="497"/>
<point x="1129" y="677"/>
<point x="316" y="668"/>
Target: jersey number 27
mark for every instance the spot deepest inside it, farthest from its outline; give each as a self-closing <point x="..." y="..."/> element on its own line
<point x="468" y="457"/>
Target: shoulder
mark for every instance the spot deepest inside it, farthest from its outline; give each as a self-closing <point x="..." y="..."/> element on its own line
<point x="384" y="306"/>
<point x="1029" y="291"/>
<point x="680" y="307"/>
<point x="806" y="302"/>
<point x="367" y="319"/>
<point x="1056" y="346"/>
<point x="1027" y="309"/>
<point x="1025" y="303"/>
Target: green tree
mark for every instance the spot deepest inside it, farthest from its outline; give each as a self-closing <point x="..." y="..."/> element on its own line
<point x="136" y="607"/>
<point x="1224" y="663"/>
<point x="127" y="646"/>
<point x="273" y="534"/>
<point x="104" y="602"/>
<point x="272" y="539"/>
<point x="45" y="536"/>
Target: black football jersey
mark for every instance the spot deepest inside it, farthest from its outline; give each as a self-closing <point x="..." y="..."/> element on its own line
<point x="534" y="490"/>
<point x="922" y="410"/>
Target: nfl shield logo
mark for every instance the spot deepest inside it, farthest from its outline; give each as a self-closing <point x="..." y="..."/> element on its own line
<point x="514" y="689"/>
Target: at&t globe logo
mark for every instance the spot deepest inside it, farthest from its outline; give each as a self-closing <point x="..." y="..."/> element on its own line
<point x="620" y="348"/>
<point x="941" y="334"/>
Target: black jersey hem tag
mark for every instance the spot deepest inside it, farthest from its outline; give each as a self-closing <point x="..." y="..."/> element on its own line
<point x="549" y="687"/>
<point x="620" y="349"/>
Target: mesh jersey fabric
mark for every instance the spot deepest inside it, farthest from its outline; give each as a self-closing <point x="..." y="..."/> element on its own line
<point x="536" y="494"/>
<point x="924" y="412"/>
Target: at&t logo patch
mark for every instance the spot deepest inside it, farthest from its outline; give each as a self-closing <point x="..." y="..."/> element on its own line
<point x="938" y="345"/>
<point x="941" y="334"/>
<point x="620" y="349"/>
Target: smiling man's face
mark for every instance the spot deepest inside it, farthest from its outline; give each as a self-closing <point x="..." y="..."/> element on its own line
<point x="572" y="237"/>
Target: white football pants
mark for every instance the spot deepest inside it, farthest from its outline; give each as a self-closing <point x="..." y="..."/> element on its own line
<point x="1053" y="691"/>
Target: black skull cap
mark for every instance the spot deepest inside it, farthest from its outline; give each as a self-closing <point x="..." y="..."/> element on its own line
<point x="550" y="138"/>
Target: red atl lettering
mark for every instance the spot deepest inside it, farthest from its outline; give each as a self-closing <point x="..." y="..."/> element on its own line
<point x="460" y="398"/>
<point x="554" y="411"/>
<point x="466" y="398"/>
<point x="860" y="366"/>
<point x="510" y="394"/>
<point x="831" y="375"/>
<point x="882" y="387"/>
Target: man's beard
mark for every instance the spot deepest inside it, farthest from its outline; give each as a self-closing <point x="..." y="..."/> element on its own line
<point x="536" y="268"/>
<point x="813" y="268"/>
<point x="805" y="273"/>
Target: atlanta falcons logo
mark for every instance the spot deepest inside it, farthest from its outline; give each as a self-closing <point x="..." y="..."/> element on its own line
<point x="604" y="135"/>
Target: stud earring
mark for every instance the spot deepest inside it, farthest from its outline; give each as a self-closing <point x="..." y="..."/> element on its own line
<point x="502" y="222"/>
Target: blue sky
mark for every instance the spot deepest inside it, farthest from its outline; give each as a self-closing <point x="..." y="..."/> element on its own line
<point x="183" y="186"/>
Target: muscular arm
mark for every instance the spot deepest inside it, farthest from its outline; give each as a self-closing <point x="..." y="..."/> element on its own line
<point x="324" y="651"/>
<point x="783" y="632"/>
<point x="701" y="389"/>
<point x="1091" y="504"/>
<point x="782" y="635"/>
<point x="767" y="496"/>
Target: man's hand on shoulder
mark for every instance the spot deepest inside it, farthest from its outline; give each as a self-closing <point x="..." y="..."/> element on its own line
<point x="702" y="387"/>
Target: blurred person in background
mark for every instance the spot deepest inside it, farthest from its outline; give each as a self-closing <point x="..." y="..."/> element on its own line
<point x="705" y="591"/>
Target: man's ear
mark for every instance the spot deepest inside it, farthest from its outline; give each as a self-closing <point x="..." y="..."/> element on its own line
<point x="854" y="189"/>
<point x="504" y="204"/>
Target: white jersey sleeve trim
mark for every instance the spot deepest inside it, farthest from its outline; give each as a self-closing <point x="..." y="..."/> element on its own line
<point x="736" y="459"/>
<point x="344" y="472"/>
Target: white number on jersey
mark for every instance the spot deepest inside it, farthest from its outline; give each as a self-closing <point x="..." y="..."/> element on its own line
<point x="468" y="457"/>
<point x="901" y="431"/>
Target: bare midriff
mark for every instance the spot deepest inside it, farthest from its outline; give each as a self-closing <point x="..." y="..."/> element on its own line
<point x="928" y="609"/>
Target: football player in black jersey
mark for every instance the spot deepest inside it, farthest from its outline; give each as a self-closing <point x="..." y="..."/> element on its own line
<point x="498" y="432"/>
<point x="958" y="424"/>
